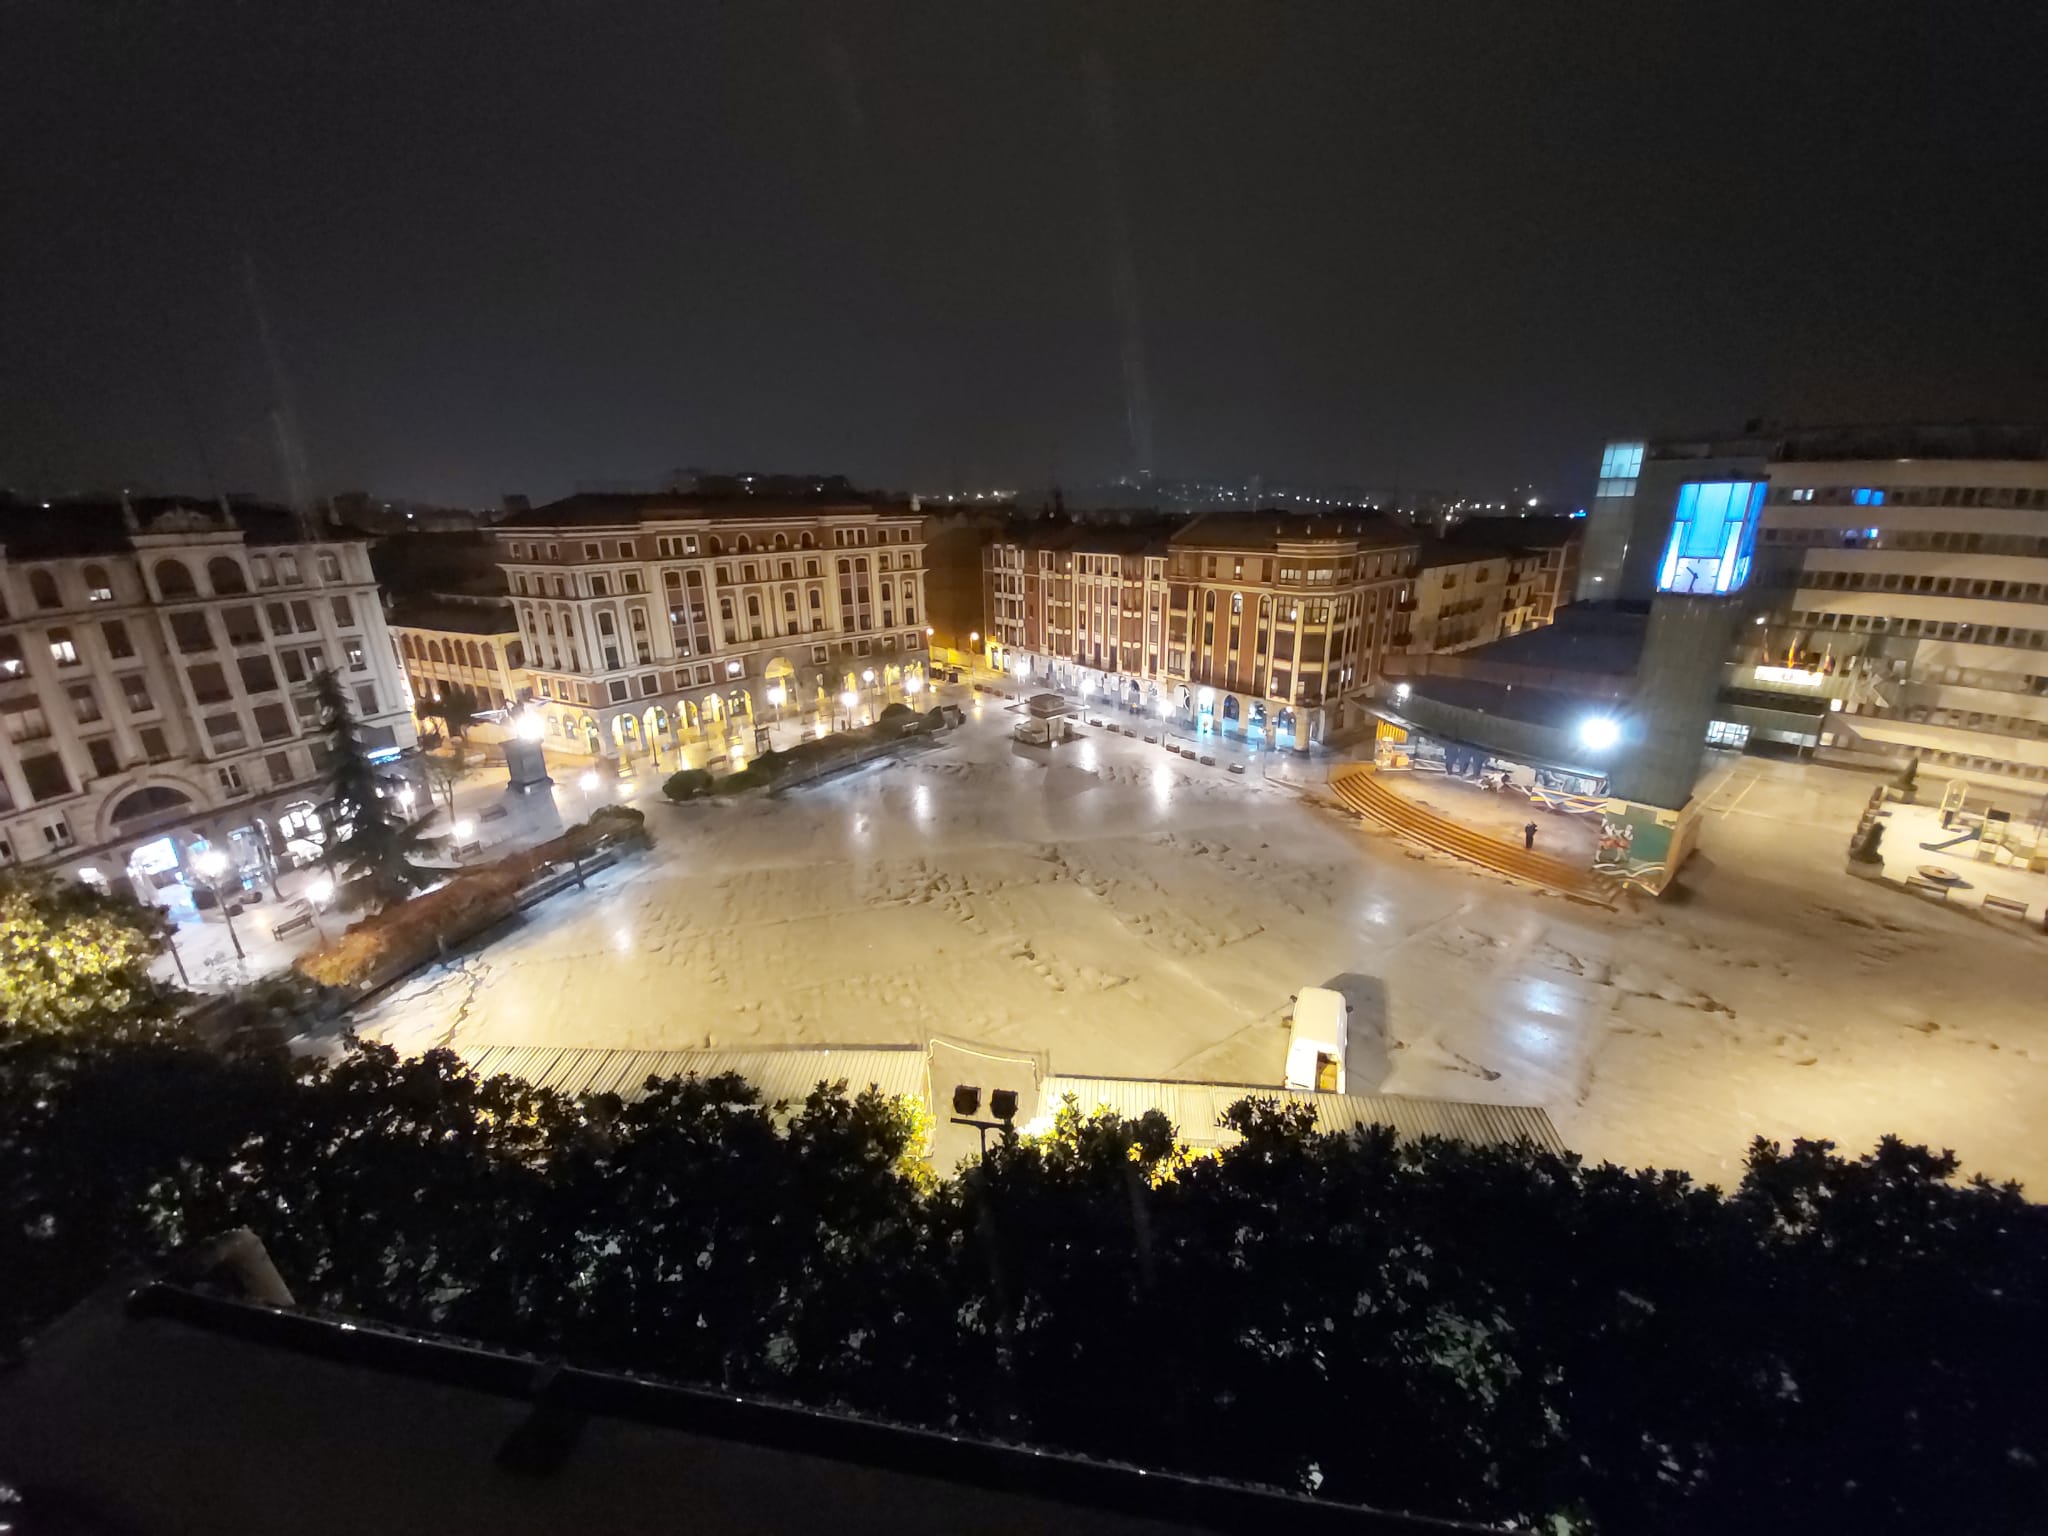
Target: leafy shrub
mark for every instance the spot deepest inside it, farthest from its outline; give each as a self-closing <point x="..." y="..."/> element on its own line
<point x="735" y="783"/>
<point x="687" y="784"/>
<point x="771" y="765"/>
<point x="895" y="712"/>
<point x="617" y="821"/>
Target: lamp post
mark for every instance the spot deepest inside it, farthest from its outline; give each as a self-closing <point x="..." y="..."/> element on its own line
<point x="213" y="864"/>
<point x="867" y="678"/>
<point x="776" y="694"/>
<point x="319" y="893"/>
<point x="847" y="701"/>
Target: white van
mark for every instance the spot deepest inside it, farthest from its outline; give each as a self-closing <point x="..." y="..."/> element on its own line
<point x="1315" y="1040"/>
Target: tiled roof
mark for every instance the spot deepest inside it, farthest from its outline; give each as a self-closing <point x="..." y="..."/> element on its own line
<point x="612" y="510"/>
<point x="492" y="618"/>
<point x="1268" y="530"/>
<point x="96" y="525"/>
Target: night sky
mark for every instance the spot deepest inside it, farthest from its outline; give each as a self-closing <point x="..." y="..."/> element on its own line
<point x="515" y="248"/>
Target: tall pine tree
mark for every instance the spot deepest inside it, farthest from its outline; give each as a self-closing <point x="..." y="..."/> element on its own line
<point x="372" y="843"/>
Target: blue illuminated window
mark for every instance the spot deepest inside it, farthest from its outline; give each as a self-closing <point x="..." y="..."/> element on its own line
<point x="1713" y="533"/>
<point x="1866" y="497"/>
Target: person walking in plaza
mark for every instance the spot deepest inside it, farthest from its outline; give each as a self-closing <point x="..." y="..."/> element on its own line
<point x="1529" y="836"/>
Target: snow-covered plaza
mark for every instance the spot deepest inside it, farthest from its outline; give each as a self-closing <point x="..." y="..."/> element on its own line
<point x="1137" y="914"/>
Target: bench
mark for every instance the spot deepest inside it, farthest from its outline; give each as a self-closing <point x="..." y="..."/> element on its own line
<point x="2005" y="906"/>
<point x="495" y="813"/>
<point x="1925" y="887"/>
<point x="285" y="927"/>
<point x="464" y="850"/>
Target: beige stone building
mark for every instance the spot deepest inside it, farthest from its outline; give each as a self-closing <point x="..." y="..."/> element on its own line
<point x="445" y="642"/>
<point x="679" y="627"/>
<point x="157" y="661"/>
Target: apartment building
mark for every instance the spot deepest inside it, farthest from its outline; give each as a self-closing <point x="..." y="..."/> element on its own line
<point x="652" y="624"/>
<point x="1491" y="577"/>
<point x="1266" y="626"/>
<point x="157" y="660"/>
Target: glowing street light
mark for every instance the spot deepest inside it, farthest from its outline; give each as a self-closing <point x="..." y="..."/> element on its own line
<point x="1598" y="733"/>
<point x="529" y="727"/>
<point x="464" y="830"/>
<point x="589" y="780"/>
<point x="321" y="890"/>
<point x="912" y="685"/>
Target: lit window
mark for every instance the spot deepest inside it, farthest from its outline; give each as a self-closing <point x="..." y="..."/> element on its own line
<point x="1713" y="531"/>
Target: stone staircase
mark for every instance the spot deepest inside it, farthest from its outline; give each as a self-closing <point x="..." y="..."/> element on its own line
<point x="1357" y="787"/>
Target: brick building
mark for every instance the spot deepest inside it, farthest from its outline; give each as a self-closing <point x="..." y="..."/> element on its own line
<point x="1270" y="626"/>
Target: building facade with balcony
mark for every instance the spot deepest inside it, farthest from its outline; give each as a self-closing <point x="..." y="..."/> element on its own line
<point x="678" y="626"/>
<point x="447" y="643"/>
<point x="1268" y="627"/>
<point x="1491" y="577"/>
<point x="157" y="661"/>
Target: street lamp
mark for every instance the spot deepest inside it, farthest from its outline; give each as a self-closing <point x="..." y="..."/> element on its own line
<point x="912" y="684"/>
<point x="776" y="694"/>
<point x="213" y="864"/>
<point x="847" y="701"/>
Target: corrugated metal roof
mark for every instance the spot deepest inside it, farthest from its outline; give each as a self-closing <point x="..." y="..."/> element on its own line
<point x="779" y="1074"/>
<point x="1195" y="1109"/>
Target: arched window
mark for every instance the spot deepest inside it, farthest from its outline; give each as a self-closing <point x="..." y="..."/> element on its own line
<point x="781" y="542"/>
<point x="173" y="580"/>
<point x="434" y="650"/>
<point x="475" y="656"/>
<point x="743" y="545"/>
<point x="714" y="546"/>
<point x="804" y="542"/>
<point x="883" y="560"/>
<point x="225" y="575"/>
<point x="405" y="644"/>
<point x="672" y="580"/>
<point x="490" y="656"/>
<point x="845" y="567"/>
<point x="788" y="570"/>
<point x="99" y="588"/>
<point x="42" y="586"/>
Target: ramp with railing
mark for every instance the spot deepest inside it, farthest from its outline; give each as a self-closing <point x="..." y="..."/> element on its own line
<point x="1358" y="788"/>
